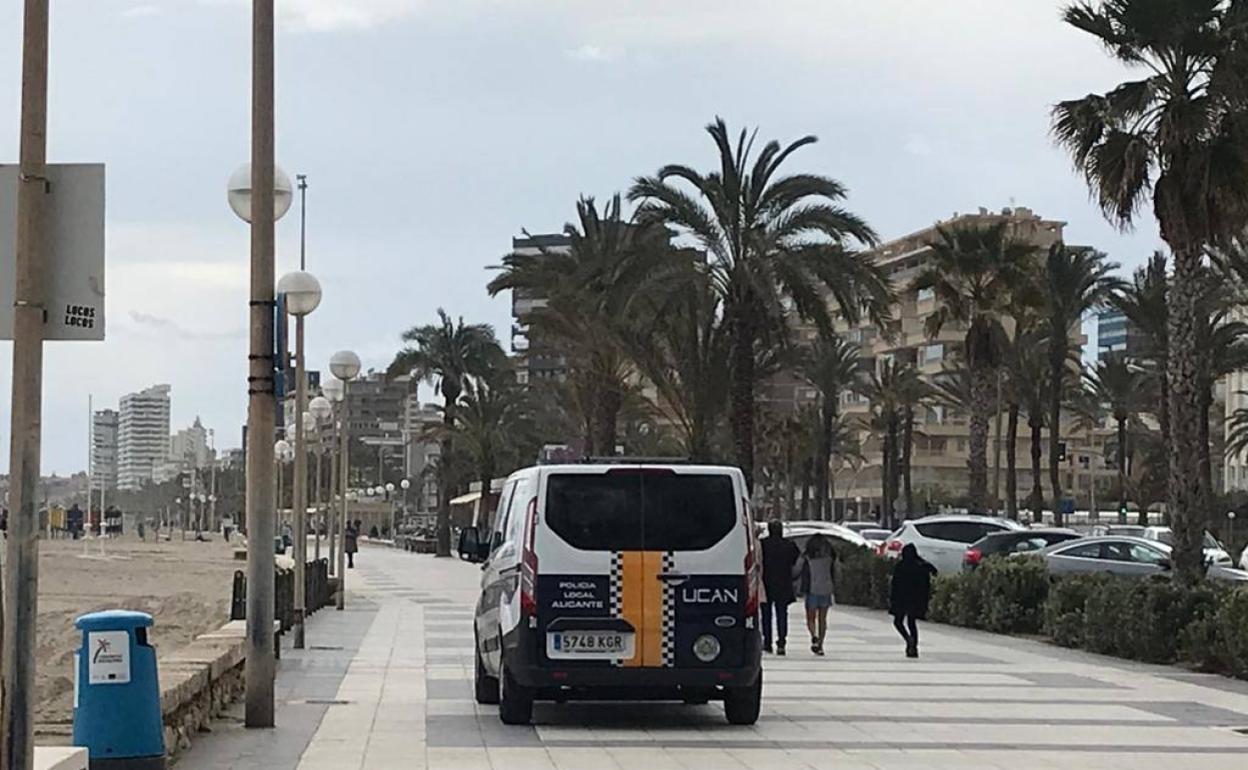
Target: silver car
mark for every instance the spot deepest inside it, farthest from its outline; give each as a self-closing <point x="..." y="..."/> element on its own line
<point x="1119" y="555"/>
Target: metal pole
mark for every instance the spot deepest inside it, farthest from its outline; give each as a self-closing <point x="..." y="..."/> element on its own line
<point x="344" y="475"/>
<point x="303" y="220"/>
<point x="299" y="494"/>
<point x="22" y="563"/>
<point x="330" y="524"/>
<point x="261" y="406"/>
<point x="320" y="493"/>
<point x="996" y="473"/>
<point x="212" y="493"/>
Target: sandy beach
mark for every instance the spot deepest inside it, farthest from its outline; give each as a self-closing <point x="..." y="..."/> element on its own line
<point x="184" y="585"/>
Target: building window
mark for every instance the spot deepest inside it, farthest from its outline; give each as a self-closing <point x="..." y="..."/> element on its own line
<point x="926" y="295"/>
<point x="931" y="354"/>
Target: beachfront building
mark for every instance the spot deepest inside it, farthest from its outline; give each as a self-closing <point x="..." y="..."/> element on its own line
<point x="1116" y="335"/>
<point x="142" y="436"/>
<point x="189" y="447"/>
<point x="942" y="438"/>
<point x="104" y="423"/>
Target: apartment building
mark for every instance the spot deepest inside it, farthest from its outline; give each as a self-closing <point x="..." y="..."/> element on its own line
<point x="142" y="436"/>
<point x="104" y="423"/>
<point x="941" y="450"/>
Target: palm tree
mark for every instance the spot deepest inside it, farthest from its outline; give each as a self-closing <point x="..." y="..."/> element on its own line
<point x="832" y="366"/>
<point x="974" y="273"/>
<point x="678" y="341"/>
<point x="1117" y="384"/>
<point x="767" y="238"/>
<point x="1143" y="302"/>
<point x="893" y="392"/>
<point x="491" y="416"/>
<point x="587" y="288"/>
<point x="912" y="394"/>
<point x="1025" y="372"/>
<point x="1073" y="281"/>
<point x="1176" y="136"/>
<point x="449" y="353"/>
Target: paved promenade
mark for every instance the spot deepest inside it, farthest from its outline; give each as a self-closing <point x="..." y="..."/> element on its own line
<point x="387" y="685"/>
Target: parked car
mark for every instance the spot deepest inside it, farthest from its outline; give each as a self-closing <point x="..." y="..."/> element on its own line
<point x="859" y="526"/>
<point x="1125" y="530"/>
<point x="1013" y="542"/>
<point x="800" y="532"/>
<point x="1243" y="559"/>
<point x="577" y="556"/>
<point x="875" y="537"/>
<point x="943" y="539"/>
<point x="1215" y="553"/>
<point x="1120" y="555"/>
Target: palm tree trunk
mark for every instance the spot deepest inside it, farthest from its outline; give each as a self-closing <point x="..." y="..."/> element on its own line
<point x="824" y="458"/>
<point x="444" y="496"/>
<point x="1057" y="376"/>
<point x="982" y="384"/>
<point x="1122" y="474"/>
<point x="886" y="475"/>
<point x="1185" y="481"/>
<point x="1011" y="463"/>
<point x="1206" y="461"/>
<point x="486" y="474"/>
<point x="1036" y="502"/>
<point x="907" y="448"/>
<point x="789" y="468"/>
<point x="606" y="417"/>
<point x="742" y="387"/>
<point x="832" y="514"/>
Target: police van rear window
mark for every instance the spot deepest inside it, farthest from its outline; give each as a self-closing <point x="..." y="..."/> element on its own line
<point x="624" y="511"/>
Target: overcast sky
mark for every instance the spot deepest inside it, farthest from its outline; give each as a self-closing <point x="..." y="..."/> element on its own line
<point x="432" y="131"/>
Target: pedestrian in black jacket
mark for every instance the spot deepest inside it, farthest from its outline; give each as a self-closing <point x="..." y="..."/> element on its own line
<point x="779" y="557"/>
<point x="909" y="595"/>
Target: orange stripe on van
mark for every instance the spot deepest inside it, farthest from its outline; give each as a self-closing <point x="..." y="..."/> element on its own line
<point x="632" y="602"/>
<point x="652" y="638"/>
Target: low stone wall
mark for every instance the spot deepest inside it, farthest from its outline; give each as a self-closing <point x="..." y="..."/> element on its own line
<point x="199" y="681"/>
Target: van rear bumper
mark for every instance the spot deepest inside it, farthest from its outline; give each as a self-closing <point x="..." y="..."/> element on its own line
<point x="523" y="664"/>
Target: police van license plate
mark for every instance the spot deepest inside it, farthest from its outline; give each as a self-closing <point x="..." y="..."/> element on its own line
<point x="589" y="645"/>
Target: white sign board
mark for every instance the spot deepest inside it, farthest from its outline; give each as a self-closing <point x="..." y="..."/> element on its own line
<point x="108" y="660"/>
<point x="74" y="273"/>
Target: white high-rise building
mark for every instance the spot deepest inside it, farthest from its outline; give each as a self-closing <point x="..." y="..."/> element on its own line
<point x="104" y="449"/>
<point x="142" y="436"/>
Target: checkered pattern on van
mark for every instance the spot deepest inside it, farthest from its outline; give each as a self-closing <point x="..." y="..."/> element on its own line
<point x="616" y="590"/>
<point x="668" y="638"/>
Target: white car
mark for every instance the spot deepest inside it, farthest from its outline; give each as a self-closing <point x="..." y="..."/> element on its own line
<point x="1215" y="553"/>
<point x="1243" y="559"/>
<point x="943" y="540"/>
<point x="803" y="529"/>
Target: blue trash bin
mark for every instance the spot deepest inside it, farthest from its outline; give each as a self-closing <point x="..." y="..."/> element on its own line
<point x="117" y="693"/>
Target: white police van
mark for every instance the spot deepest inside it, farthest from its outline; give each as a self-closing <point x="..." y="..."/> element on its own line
<point x="630" y="581"/>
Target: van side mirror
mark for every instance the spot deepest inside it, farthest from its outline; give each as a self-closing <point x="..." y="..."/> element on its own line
<point x="469" y="544"/>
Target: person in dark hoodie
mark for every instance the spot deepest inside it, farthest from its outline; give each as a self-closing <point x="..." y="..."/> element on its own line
<point x="909" y="594"/>
<point x="779" y="557"/>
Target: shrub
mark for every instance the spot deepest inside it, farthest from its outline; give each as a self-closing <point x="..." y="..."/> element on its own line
<point x="1011" y="594"/>
<point x="1064" y="607"/>
<point x="1106" y="612"/>
<point x="863" y="579"/>
<point x="1217" y="637"/>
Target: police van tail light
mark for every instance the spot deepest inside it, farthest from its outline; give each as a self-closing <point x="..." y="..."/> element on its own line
<point x="753" y="576"/>
<point x="528" y="563"/>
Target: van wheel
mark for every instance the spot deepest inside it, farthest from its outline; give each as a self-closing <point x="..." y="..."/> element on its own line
<point x="742" y="704"/>
<point x="515" y="704"/>
<point x="486" y="686"/>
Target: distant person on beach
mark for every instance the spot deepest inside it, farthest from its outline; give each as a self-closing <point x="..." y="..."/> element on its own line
<point x="142" y="530"/>
<point x="227" y="528"/>
<point x="909" y="595"/>
<point x="350" y="542"/>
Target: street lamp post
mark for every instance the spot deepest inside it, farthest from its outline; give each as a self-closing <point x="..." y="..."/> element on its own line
<point x="333" y="390"/>
<point x="405" y="485"/>
<point x="303" y="295"/>
<point x="321" y="411"/>
<point x="1230" y="528"/>
<point x="390" y="499"/>
<point x="344" y="365"/>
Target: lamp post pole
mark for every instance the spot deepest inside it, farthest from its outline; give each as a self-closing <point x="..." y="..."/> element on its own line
<point x="22" y="559"/>
<point x="344" y="365"/>
<point x="299" y="503"/>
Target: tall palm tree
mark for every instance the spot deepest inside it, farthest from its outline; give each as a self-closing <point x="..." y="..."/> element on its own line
<point x="451" y="353"/>
<point x="1143" y="302"/>
<point x="768" y="237"/>
<point x="1177" y="136"/>
<point x="913" y="393"/>
<point x="492" y="414"/>
<point x="678" y="341"/>
<point x="1117" y="384"/>
<point x="974" y="273"/>
<point x="1025" y="372"/>
<point x="1073" y="281"/>
<point x="893" y="391"/>
<point x="832" y="366"/>
<point x="587" y="288"/>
